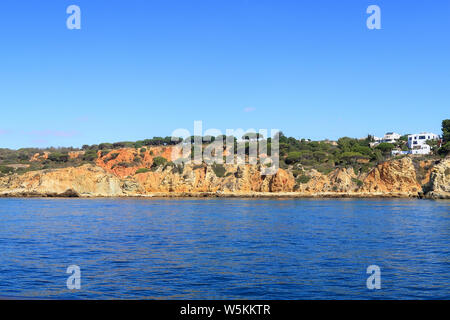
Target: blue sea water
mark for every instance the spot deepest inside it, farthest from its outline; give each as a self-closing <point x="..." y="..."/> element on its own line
<point x="224" y="248"/>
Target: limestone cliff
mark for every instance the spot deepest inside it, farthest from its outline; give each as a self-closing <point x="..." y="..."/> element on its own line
<point x="438" y="186"/>
<point x="111" y="178"/>
<point x="236" y="179"/>
<point x="393" y="176"/>
<point x="86" y="180"/>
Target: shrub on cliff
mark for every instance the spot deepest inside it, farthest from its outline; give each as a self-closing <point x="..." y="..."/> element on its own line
<point x="112" y="156"/>
<point x="358" y="182"/>
<point x="303" y="179"/>
<point x="138" y="144"/>
<point x="137" y="159"/>
<point x="445" y="149"/>
<point x="320" y="156"/>
<point x="219" y="170"/>
<point x="297" y="172"/>
<point x="385" y="147"/>
<point x="142" y="170"/>
<point x="6" y="169"/>
<point x="158" y="161"/>
<point x="123" y="164"/>
<point x="90" y="155"/>
<point x="346" y="144"/>
<point x="104" y="146"/>
<point x="104" y="153"/>
<point x="364" y="150"/>
<point x="298" y="156"/>
<point x="351" y="157"/>
<point x="123" y="144"/>
<point x="446" y="130"/>
<point x="58" y="157"/>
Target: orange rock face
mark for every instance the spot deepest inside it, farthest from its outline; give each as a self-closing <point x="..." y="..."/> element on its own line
<point x="237" y="179"/>
<point x="393" y="176"/>
<point x="86" y="180"/>
<point x="39" y="157"/>
<point x="125" y="162"/>
<point x="115" y="175"/>
<point x="75" y="154"/>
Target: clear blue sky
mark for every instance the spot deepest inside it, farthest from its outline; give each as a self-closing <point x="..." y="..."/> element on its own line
<point x="139" y="69"/>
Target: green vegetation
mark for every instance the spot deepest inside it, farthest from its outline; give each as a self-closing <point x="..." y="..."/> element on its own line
<point x="433" y="145"/>
<point x="446" y="130"/>
<point x="445" y="149"/>
<point x="385" y="147"/>
<point x="155" y="141"/>
<point x="137" y="159"/>
<point x="142" y="170"/>
<point x="112" y="156"/>
<point x="358" y="182"/>
<point x="219" y="170"/>
<point x="6" y="170"/>
<point x="296" y="155"/>
<point x="303" y="179"/>
<point x="158" y="161"/>
<point x="324" y="156"/>
<point x="58" y="157"/>
<point x="123" y="164"/>
<point x="90" y="155"/>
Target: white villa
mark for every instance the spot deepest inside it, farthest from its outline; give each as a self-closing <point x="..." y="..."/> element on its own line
<point x="417" y="142"/>
<point x="390" y="137"/>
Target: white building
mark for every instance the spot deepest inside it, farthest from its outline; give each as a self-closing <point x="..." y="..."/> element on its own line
<point x="390" y="137"/>
<point x="396" y="152"/>
<point x="423" y="149"/>
<point x="420" y="139"/>
<point x="417" y="142"/>
<point x="377" y="139"/>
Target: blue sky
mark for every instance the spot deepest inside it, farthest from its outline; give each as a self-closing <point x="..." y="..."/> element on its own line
<point x="139" y="69"/>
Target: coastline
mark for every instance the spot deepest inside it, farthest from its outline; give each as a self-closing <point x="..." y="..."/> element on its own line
<point x="394" y="179"/>
<point x="250" y="195"/>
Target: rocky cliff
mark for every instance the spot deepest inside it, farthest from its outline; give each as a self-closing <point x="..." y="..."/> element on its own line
<point x="116" y="174"/>
<point x="86" y="180"/>
<point x="393" y="176"/>
<point x="438" y="186"/>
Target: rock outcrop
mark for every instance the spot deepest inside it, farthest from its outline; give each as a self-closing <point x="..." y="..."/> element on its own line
<point x="194" y="179"/>
<point x="86" y="181"/>
<point x="393" y="176"/>
<point x="438" y="186"/>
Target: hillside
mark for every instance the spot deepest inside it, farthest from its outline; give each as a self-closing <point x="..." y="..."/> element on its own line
<point x="346" y="167"/>
<point x="149" y="172"/>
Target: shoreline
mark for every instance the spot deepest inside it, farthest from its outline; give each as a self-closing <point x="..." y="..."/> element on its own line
<point x="251" y="195"/>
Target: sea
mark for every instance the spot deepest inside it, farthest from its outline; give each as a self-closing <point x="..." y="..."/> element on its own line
<point x="218" y="248"/>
